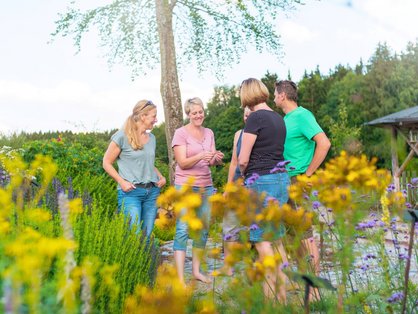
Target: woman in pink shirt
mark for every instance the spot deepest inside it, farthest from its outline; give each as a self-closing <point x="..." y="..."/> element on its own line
<point x="194" y="151"/>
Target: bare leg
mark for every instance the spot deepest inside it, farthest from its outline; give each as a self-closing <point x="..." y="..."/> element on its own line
<point x="227" y="270"/>
<point x="179" y="260"/>
<point x="279" y="248"/>
<point x="311" y="248"/>
<point x="270" y="285"/>
<point x="196" y="258"/>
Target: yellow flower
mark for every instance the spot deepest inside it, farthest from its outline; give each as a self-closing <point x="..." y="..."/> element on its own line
<point x="216" y="273"/>
<point x="192" y="200"/>
<point x="215" y="253"/>
<point x="218" y="204"/>
<point x="76" y="206"/>
<point x="4" y="227"/>
<point x="195" y="224"/>
<point x="38" y="215"/>
<point x="269" y="262"/>
<point x="384" y="201"/>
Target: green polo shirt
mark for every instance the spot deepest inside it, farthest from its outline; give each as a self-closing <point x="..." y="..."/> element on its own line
<point x="299" y="148"/>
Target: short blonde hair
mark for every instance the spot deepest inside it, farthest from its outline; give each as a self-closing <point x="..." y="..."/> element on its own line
<point x="253" y="92"/>
<point x="142" y="107"/>
<point x="195" y="101"/>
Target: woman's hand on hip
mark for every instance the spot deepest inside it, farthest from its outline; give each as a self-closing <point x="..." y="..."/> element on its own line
<point x="127" y="186"/>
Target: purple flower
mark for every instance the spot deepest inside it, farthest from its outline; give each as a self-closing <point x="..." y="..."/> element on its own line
<point x="315" y="193"/>
<point x="280" y="166"/>
<point x="283" y="163"/>
<point x="316" y="204"/>
<point x="403" y="256"/>
<point x="391" y="188"/>
<point x="228" y="236"/>
<point x="252" y="178"/>
<point x="369" y="256"/>
<point x="254" y="227"/>
<point x="284" y="265"/>
<point x="364" y="267"/>
<point x="397" y="296"/>
<point x="414" y="181"/>
<point x="408" y="205"/>
<point x="366" y="225"/>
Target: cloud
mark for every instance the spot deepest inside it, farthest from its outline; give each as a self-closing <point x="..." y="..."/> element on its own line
<point x="70" y="102"/>
<point x="75" y="105"/>
<point x="395" y="17"/>
<point x="294" y="32"/>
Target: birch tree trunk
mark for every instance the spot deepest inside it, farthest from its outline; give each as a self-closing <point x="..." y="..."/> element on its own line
<point x="169" y="86"/>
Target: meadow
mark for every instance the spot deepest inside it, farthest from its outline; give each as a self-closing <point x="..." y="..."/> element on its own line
<point x="66" y="249"/>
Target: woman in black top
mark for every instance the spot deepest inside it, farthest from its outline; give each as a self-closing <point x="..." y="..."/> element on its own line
<point x="261" y="150"/>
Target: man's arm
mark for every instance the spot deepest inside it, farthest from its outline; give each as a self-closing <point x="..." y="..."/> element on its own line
<point x="322" y="146"/>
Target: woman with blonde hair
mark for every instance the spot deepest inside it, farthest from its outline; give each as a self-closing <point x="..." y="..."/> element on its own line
<point x="261" y="150"/>
<point x="139" y="181"/>
<point x="194" y="151"/>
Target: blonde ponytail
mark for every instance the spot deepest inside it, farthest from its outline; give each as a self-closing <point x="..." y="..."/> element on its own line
<point x="131" y="123"/>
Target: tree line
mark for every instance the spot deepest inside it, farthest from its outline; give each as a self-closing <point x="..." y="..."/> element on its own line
<point x="342" y="100"/>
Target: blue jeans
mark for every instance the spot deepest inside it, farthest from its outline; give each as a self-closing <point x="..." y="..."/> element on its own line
<point x="139" y="206"/>
<point x="274" y="185"/>
<point x="203" y="212"/>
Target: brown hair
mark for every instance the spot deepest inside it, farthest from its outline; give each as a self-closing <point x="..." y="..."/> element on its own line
<point x="253" y="92"/>
<point x="142" y="107"/>
<point x="289" y="88"/>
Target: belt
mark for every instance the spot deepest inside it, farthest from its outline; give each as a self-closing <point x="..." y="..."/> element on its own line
<point x="145" y="185"/>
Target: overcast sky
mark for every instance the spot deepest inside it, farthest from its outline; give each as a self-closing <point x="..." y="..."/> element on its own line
<point x="49" y="87"/>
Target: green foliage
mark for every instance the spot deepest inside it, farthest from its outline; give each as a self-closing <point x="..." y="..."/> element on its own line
<point x="110" y="238"/>
<point x="224" y="117"/>
<point x="162" y="166"/>
<point x="343" y="136"/>
<point x="161" y="152"/>
<point x="101" y="188"/>
<point x="270" y="80"/>
<point x="71" y="158"/>
<point x="88" y="139"/>
<point x="210" y="34"/>
<point x="164" y="234"/>
<point x="220" y="175"/>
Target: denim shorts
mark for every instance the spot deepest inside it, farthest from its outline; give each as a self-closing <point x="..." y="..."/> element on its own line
<point x="274" y="185"/>
<point x="139" y="205"/>
<point x="203" y="212"/>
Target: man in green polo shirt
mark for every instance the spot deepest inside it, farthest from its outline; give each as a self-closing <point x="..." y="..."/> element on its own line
<point x="306" y="147"/>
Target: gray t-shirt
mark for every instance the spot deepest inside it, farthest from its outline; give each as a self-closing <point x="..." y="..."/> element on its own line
<point x="136" y="166"/>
